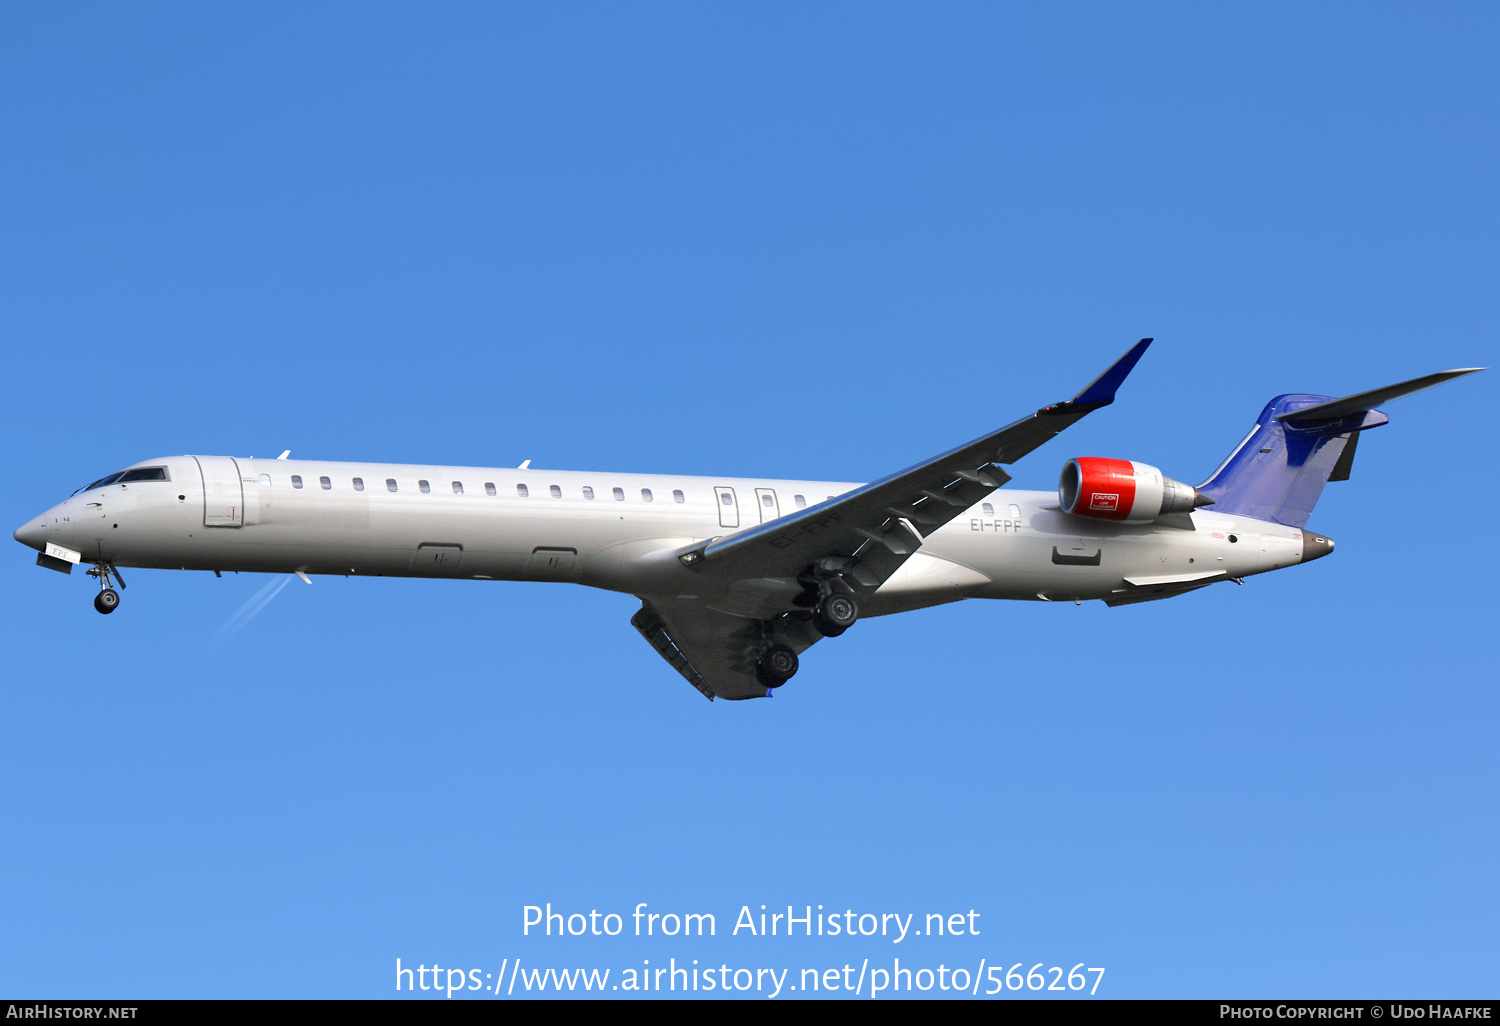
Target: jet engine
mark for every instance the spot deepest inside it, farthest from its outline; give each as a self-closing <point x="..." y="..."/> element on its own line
<point x="1123" y="491"/>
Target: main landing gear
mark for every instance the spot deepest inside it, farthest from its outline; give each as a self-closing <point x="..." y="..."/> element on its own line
<point x="834" y="610"/>
<point x="776" y="665"/>
<point x="834" y="607"/>
<point x="108" y="598"/>
<point x="834" y="614"/>
<point x="827" y="601"/>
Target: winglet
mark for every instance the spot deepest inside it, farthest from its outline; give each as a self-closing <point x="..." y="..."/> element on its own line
<point x="1101" y="391"/>
<point x="1363" y="402"/>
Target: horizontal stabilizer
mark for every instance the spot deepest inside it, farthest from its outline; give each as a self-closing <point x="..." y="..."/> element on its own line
<point x="1300" y="443"/>
<point x="1363" y="402"/>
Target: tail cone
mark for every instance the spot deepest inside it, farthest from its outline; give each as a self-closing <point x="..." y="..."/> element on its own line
<point x="1315" y="546"/>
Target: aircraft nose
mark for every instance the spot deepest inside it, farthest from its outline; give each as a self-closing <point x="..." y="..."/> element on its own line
<point x="33" y="533"/>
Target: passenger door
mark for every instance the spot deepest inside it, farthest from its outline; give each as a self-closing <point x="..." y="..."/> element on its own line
<point x="223" y="494"/>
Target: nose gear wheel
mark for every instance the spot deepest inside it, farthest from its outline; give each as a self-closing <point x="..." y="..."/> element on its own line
<point x="107" y="599"/>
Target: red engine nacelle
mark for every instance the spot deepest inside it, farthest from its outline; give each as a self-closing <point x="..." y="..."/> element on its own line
<point x="1122" y="490"/>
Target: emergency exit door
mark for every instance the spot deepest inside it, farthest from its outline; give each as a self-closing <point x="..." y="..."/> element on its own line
<point x="729" y="507"/>
<point x="765" y="501"/>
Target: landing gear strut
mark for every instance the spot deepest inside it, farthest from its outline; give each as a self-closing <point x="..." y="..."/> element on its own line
<point x="776" y="665"/>
<point x="108" y="598"/>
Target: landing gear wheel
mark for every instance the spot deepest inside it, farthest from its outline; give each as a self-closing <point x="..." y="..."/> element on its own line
<point x="835" y="614"/>
<point x="776" y="666"/>
<point x="107" y="600"/>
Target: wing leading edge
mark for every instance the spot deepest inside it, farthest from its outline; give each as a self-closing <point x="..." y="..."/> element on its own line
<point x="861" y="537"/>
<point x="870" y="531"/>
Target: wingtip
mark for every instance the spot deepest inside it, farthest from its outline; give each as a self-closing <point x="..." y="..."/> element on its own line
<point x="1440" y="377"/>
<point x="1101" y="391"/>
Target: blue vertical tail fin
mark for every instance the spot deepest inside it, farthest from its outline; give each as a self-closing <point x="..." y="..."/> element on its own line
<point x="1299" y="444"/>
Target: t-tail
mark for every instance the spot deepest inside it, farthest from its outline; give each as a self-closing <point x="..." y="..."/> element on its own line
<point x="1299" y="444"/>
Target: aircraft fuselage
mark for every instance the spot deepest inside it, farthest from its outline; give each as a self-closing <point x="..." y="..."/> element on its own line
<point x="613" y="531"/>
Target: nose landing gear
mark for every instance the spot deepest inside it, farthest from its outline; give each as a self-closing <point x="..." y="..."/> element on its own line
<point x="108" y="598"/>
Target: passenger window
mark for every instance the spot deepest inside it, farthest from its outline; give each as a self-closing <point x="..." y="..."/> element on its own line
<point x="727" y="497"/>
<point x="458" y="487"/>
<point x="556" y="492"/>
<point x="327" y="484"/>
<point x="265" y="480"/>
<point x="489" y="488"/>
<point x="645" y="495"/>
<point x="424" y="487"/>
<point x="588" y="492"/>
<point x="359" y="484"/>
<point x="390" y="484"/>
<point x="677" y="495"/>
<point x="1015" y="512"/>
<point x="989" y="510"/>
<point x="801" y="501"/>
<point x="521" y="491"/>
<point x="296" y="480"/>
<point x="620" y="494"/>
<point x="766" y="500"/>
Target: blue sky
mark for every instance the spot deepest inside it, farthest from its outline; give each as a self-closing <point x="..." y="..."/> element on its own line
<point x="805" y="241"/>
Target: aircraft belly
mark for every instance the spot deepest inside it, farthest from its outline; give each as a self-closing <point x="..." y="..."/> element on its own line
<point x="348" y="534"/>
<point x="925" y="580"/>
<point x="1048" y="555"/>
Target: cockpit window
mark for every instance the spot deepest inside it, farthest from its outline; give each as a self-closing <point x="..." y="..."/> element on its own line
<point x="111" y="479"/>
<point x="123" y="476"/>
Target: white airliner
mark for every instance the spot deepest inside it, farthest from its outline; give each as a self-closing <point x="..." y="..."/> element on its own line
<point x="737" y="577"/>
